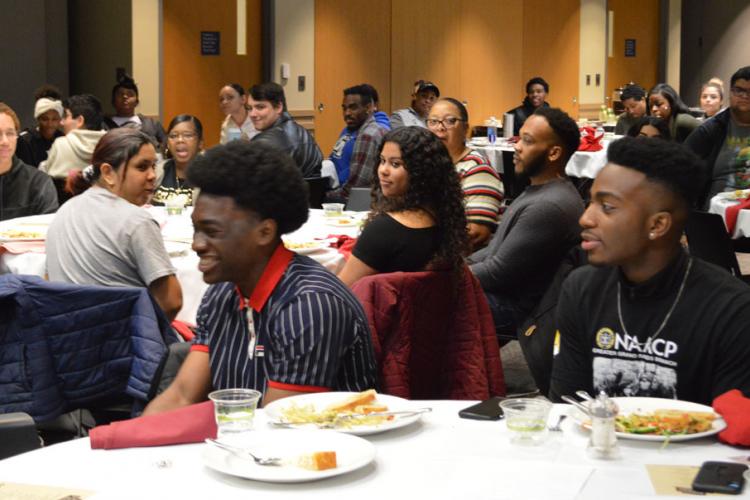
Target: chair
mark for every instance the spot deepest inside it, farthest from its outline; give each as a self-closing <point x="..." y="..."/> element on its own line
<point x="359" y="200"/>
<point x="17" y="434"/>
<point x="67" y="347"/>
<point x="317" y="187"/>
<point x="433" y="337"/>
<point x="709" y="240"/>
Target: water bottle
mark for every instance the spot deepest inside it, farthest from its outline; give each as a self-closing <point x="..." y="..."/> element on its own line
<point x="599" y="131"/>
<point x="492" y="131"/>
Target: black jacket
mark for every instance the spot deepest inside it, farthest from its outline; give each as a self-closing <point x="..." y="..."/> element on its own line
<point x="26" y="190"/>
<point x="706" y="141"/>
<point x="291" y="138"/>
<point x="521" y="113"/>
<point x="32" y="147"/>
<point x="149" y="126"/>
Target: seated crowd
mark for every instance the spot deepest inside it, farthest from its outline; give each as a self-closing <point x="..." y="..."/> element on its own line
<point x="630" y="323"/>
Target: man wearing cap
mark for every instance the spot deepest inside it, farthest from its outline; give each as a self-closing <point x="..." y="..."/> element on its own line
<point x="82" y="123"/>
<point x="424" y="96"/>
<point x="33" y="144"/>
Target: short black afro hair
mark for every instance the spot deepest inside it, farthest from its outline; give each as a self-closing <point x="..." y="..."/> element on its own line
<point x="669" y="164"/>
<point x="258" y="177"/>
<point x="564" y="127"/>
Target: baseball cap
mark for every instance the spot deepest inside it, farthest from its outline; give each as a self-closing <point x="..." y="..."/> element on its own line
<point x="421" y="85"/>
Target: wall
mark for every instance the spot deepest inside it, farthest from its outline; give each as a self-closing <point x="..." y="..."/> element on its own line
<point x="715" y="42"/>
<point x="190" y="81"/>
<point x="100" y="41"/>
<point x="592" y="53"/>
<point x="294" y="43"/>
<point x="629" y="22"/>
<point x="33" y="51"/>
<point x="146" y="35"/>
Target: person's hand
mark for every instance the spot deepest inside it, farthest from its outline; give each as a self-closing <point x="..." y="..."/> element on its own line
<point x="479" y="235"/>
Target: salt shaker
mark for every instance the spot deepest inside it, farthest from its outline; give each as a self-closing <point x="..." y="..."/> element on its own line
<point x="603" y="441"/>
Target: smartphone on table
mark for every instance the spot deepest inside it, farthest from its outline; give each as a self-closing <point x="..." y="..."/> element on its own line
<point x="720" y="477"/>
<point x="486" y="410"/>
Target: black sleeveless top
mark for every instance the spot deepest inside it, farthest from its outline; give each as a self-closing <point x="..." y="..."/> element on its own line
<point x="388" y="246"/>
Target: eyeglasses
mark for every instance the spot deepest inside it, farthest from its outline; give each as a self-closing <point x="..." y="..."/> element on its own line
<point x="185" y="136"/>
<point x="447" y="122"/>
<point x="740" y="92"/>
<point x="9" y="134"/>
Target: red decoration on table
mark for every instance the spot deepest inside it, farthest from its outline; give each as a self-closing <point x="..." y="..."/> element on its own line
<point x="589" y="140"/>
<point x="343" y="243"/>
<point x="731" y="214"/>
<point x="191" y="424"/>
<point x="735" y="408"/>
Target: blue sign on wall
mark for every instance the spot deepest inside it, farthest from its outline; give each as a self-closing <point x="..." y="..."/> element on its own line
<point x="210" y="43"/>
<point x="630" y="47"/>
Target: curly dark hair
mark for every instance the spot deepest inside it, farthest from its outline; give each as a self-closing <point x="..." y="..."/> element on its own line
<point x="258" y="177"/>
<point x="434" y="186"/>
<point x="673" y="98"/>
<point x="659" y="124"/>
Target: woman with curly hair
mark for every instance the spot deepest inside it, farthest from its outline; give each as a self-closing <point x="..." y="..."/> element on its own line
<point x="417" y="218"/>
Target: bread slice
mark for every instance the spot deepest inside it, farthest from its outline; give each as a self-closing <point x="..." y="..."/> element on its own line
<point x="348" y="404"/>
<point x="319" y="460"/>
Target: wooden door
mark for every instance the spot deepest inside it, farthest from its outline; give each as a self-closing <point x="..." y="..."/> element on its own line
<point x="352" y="46"/>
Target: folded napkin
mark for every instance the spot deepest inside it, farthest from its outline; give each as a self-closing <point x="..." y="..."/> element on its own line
<point x="18" y="247"/>
<point x="191" y="424"/>
<point x="343" y="243"/>
<point x="731" y="213"/>
<point x="735" y="408"/>
<point x="590" y="141"/>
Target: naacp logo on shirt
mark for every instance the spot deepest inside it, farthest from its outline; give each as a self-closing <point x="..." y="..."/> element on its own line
<point x="605" y="338"/>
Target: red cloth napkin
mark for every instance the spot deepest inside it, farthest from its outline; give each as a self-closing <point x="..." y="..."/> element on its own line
<point x="191" y="424"/>
<point x="184" y="329"/>
<point x="17" y="247"/>
<point x="589" y="140"/>
<point x="731" y="214"/>
<point x="343" y="243"/>
<point x="735" y="408"/>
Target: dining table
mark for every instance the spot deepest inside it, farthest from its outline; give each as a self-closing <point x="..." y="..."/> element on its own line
<point x="722" y="201"/>
<point x="314" y="238"/>
<point x="583" y="164"/>
<point x="440" y="456"/>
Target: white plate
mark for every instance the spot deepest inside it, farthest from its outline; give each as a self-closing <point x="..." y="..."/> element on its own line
<point x="310" y="246"/>
<point x="341" y="221"/>
<point x="322" y="399"/>
<point x="352" y="453"/>
<point x="649" y="405"/>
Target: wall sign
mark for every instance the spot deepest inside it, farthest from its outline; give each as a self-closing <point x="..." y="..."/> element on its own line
<point x="630" y="47"/>
<point x="210" y="43"/>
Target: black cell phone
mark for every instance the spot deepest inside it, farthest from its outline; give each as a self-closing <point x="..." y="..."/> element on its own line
<point x="720" y="477"/>
<point x="486" y="410"/>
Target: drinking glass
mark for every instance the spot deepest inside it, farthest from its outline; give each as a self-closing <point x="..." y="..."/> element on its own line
<point x="234" y="410"/>
<point x="526" y="419"/>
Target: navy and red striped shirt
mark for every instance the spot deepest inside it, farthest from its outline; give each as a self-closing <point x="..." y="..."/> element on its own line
<point x="301" y="330"/>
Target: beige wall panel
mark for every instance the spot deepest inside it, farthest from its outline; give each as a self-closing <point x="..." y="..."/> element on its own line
<point x="551" y="49"/>
<point x="191" y="82"/>
<point x="426" y="42"/>
<point x="491" y="57"/>
<point x="630" y="22"/>
<point x="352" y="46"/>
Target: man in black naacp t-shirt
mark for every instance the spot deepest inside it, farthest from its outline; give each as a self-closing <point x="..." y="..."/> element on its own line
<point x="647" y="319"/>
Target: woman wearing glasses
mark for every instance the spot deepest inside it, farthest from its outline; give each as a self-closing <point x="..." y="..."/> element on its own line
<point x="417" y="219"/>
<point x="482" y="188"/>
<point x="24" y="190"/>
<point x="184" y="142"/>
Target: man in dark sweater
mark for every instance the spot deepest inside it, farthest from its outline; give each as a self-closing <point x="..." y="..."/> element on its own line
<point x="538" y="229"/>
<point x="649" y="319"/>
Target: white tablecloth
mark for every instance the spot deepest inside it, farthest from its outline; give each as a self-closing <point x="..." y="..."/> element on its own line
<point x="582" y="164"/>
<point x="719" y="205"/>
<point x="439" y="458"/>
<point x="177" y="231"/>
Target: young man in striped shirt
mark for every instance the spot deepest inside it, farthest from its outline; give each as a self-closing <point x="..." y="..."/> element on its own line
<point x="272" y="320"/>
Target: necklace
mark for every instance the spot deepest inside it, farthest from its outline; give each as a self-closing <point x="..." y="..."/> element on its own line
<point x="669" y="313"/>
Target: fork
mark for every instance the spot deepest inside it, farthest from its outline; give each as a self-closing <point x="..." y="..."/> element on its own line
<point x="243" y="453"/>
<point x="556" y="427"/>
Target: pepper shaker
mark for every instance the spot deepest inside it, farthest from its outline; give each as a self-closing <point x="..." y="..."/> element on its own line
<point x="603" y="441"/>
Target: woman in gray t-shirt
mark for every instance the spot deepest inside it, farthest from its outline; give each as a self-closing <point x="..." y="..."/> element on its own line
<point x="103" y="237"/>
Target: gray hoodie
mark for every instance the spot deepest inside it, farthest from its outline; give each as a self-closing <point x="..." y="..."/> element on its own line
<point x="72" y="151"/>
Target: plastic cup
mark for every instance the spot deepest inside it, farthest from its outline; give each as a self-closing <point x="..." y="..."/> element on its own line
<point x="526" y="419"/>
<point x="234" y="409"/>
<point x="333" y="209"/>
<point x="175" y="205"/>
